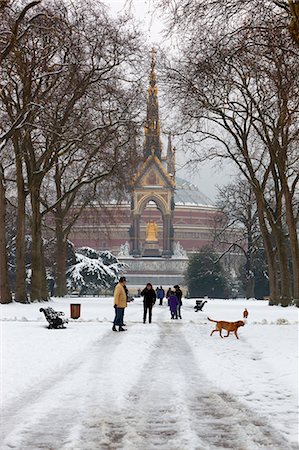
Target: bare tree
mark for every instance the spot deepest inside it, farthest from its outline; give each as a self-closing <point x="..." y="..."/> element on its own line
<point x="5" y="295"/>
<point x="11" y="20"/>
<point x="11" y="34"/>
<point x="80" y="178"/>
<point x="237" y="202"/>
<point x="246" y="110"/>
<point x="229" y="14"/>
<point x="68" y="58"/>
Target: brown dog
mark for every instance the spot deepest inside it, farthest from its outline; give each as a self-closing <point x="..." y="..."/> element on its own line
<point x="245" y="313"/>
<point x="228" y="326"/>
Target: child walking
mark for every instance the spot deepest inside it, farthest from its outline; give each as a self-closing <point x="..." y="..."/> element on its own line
<point x="173" y="305"/>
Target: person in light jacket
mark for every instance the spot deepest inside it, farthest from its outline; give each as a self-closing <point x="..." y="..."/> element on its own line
<point x="120" y="303"/>
<point x="149" y="299"/>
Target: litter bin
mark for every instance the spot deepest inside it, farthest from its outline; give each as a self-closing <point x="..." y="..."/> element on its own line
<point x="75" y="310"/>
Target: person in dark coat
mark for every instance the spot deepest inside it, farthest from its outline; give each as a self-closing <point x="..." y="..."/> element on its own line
<point x="149" y="299"/>
<point x="168" y="293"/>
<point x="173" y="305"/>
<point x="179" y="295"/>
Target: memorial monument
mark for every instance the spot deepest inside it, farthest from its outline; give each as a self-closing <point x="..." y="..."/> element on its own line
<point x="154" y="184"/>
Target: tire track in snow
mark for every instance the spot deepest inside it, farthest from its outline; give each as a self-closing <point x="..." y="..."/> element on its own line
<point x="55" y="415"/>
<point x="43" y="417"/>
<point x="173" y="407"/>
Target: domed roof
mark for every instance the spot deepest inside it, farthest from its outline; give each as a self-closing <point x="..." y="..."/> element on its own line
<point x="189" y="194"/>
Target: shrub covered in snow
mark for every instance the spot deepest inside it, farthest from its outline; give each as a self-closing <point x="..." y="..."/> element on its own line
<point x="92" y="270"/>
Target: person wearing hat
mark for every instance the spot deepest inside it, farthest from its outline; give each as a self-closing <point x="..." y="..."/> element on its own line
<point x="179" y="295"/>
<point x="120" y="303"/>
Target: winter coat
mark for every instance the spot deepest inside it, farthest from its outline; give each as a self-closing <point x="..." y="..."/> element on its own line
<point x="173" y="303"/>
<point x="160" y="293"/>
<point x="149" y="296"/>
<point x="120" y="296"/>
<point x="179" y="295"/>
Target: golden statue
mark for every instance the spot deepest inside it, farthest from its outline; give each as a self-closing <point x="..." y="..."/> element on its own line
<point x="151" y="231"/>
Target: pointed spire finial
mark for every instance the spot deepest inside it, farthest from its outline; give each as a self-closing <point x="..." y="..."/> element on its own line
<point x="169" y="146"/>
<point x="153" y="56"/>
<point x="170" y="156"/>
<point x="152" y="144"/>
<point x="153" y="77"/>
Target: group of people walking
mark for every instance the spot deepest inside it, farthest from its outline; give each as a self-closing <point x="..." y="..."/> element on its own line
<point x="173" y="296"/>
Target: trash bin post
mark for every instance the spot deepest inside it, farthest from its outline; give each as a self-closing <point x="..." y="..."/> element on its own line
<point x="75" y="310"/>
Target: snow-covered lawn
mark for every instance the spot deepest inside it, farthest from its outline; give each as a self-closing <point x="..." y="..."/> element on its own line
<point x="165" y="385"/>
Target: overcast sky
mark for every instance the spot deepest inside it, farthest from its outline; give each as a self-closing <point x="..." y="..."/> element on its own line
<point x="208" y="175"/>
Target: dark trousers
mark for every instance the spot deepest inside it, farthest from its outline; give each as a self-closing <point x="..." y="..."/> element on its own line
<point x="145" y="309"/>
<point x="119" y="316"/>
<point x="161" y="301"/>
<point x="179" y="311"/>
<point x="115" y="308"/>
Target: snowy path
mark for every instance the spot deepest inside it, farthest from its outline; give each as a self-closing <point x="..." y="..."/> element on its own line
<point x="89" y="404"/>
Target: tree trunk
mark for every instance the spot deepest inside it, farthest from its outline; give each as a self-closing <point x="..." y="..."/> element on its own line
<point x="21" y="294"/>
<point x="291" y="223"/>
<point x="294" y="22"/>
<point x="273" y="282"/>
<point x="38" y="289"/>
<point x="289" y="191"/>
<point x="250" y="282"/>
<point x="250" y="285"/>
<point x="277" y="225"/>
<point x="285" y="279"/>
<point x="44" y="286"/>
<point x="61" y="247"/>
<point x="5" y="294"/>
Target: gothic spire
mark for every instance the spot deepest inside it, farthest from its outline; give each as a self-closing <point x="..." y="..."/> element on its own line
<point x="170" y="158"/>
<point x="152" y="144"/>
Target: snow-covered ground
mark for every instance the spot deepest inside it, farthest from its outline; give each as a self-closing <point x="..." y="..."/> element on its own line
<point x="165" y="385"/>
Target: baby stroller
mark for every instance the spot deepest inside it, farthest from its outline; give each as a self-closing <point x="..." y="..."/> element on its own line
<point x="54" y="317"/>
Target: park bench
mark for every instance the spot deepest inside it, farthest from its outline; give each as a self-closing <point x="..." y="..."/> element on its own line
<point x="199" y="305"/>
<point x="54" y="317"/>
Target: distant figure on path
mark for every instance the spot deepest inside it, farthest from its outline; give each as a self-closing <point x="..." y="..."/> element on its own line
<point x="173" y="304"/>
<point x="160" y="295"/>
<point x="149" y="299"/>
<point x="168" y="293"/>
<point x="245" y="313"/>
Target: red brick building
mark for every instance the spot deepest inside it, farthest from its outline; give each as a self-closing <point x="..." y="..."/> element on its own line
<point x="193" y="222"/>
